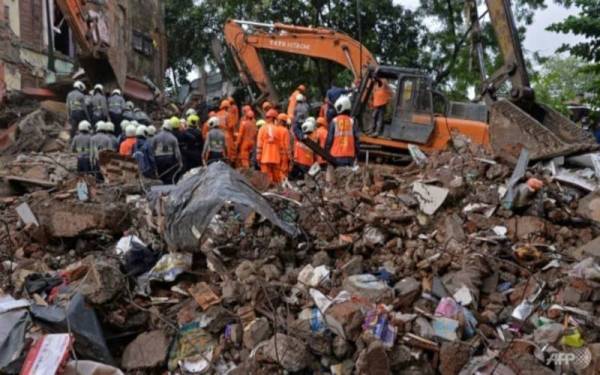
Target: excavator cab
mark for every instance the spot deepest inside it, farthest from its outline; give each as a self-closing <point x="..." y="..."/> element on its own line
<point x="410" y="116"/>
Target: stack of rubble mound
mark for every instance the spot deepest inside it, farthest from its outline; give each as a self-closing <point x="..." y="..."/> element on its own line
<point x="455" y="264"/>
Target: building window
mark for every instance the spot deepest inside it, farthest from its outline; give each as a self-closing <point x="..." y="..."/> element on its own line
<point x="142" y="43"/>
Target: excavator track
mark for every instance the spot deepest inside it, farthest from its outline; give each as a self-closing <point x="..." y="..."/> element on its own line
<point x="547" y="135"/>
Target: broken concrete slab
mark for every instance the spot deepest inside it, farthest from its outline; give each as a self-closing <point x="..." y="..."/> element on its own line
<point x="368" y="286"/>
<point x="147" y="351"/>
<point x="289" y="352"/>
<point x="589" y="206"/>
<point x="430" y="197"/>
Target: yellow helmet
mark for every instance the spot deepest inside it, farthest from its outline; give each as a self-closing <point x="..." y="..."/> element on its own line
<point x="174" y="122"/>
<point x="260" y="123"/>
<point x="193" y="120"/>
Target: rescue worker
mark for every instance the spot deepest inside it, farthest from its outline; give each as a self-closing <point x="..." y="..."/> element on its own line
<point x="166" y="154"/>
<point x="99" y="141"/>
<point x="321" y="138"/>
<point x="122" y="136"/>
<point x="342" y="138"/>
<point x="126" y="147"/>
<point x="76" y="106"/>
<point x="141" y="117"/>
<point x="266" y="106"/>
<point x="268" y="148"/>
<point x="381" y="97"/>
<point x="294" y="100"/>
<point x="205" y="128"/>
<point x="110" y="131"/>
<point x="99" y="104"/>
<point x="234" y="110"/>
<point x="215" y="145"/>
<point x="255" y="164"/>
<point x="88" y="105"/>
<point x="81" y="145"/>
<point x="128" y="111"/>
<point x="116" y="106"/>
<point x="301" y="111"/>
<point x="192" y="157"/>
<point x="286" y="145"/>
<point x="151" y="131"/>
<point x="332" y="95"/>
<point x="190" y="112"/>
<point x="246" y="139"/>
<point x="226" y="124"/>
<point x="304" y="157"/>
<point x="142" y="152"/>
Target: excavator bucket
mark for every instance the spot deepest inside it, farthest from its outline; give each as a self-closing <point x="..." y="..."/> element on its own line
<point x="544" y="132"/>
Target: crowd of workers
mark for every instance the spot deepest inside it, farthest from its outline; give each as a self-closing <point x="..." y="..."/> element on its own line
<point x="273" y="144"/>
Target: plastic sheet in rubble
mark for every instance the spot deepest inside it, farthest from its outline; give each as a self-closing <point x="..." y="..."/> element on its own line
<point x="192" y="204"/>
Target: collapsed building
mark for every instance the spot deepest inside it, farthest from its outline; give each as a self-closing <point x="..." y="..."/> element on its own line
<point x="45" y="43"/>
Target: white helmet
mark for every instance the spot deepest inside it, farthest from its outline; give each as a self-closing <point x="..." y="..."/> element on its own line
<point x="135" y="123"/>
<point x="190" y="112"/>
<point x="110" y="127"/>
<point x="98" y="87"/>
<point x="100" y="126"/>
<point x="125" y="124"/>
<point x="309" y="125"/>
<point x="130" y="131"/>
<point x="343" y="104"/>
<point x="213" y="122"/>
<point x="79" y="85"/>
<point x="84" y="126"/>
<point x="129" y="105"/>
<point x="151" y="130"/>
<point x="116" y="92"/>
<point x="166" y="125"/>
<point x="141" y="131"/>
<point x="300" y="98"/>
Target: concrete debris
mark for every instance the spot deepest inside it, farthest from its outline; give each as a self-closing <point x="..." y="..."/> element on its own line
<point x="427" y="269"/>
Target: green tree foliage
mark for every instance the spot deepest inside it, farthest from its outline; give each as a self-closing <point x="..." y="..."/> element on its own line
<point x="560" y="80"/>
<point x="586" y="24"/>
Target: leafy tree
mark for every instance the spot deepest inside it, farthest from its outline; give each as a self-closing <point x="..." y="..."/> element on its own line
<point x="560" y="80"/>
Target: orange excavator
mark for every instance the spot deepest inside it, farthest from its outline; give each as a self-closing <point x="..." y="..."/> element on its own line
<point x="512" y="124"/>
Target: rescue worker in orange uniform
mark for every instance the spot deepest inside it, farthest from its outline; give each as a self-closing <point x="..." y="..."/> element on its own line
<point x="228" y="126"/>
<point x="268" y="148"/>
<point x="234" y="110"/>
<point x="381" y="97"/>
<point x="286" y="145"/>
<point x="304" y="157"/>
<point x="246" y="138"/>
<point x="321" y="133"/>
<point x="266" y="106"/>
<point x="293" y="100"/>
<point x="342" y="138"/>
<point x="126" y="147"/>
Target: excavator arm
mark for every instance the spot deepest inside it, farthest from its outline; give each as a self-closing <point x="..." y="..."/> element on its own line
<point x="314" y="42"/>
<point x="518" y="121"/>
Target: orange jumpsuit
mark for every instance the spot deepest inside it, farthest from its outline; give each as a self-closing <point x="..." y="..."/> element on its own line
<point x="246" y="139"/>
<point x="381" y="96"/>
<point x="285" y="148"/>
<point x="321" y="133"/>
<point x="126" y="148"/>
<point x="268" y="151"/>
<point x="303" y="155"/>
<point x="228" y="126"/>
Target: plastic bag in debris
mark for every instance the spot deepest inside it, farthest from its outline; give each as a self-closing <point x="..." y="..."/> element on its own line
<point x="136" y="257"/>
<point x="196" y="199"/>
<point x="83" y="323"/>
<point x="13" y="326"/>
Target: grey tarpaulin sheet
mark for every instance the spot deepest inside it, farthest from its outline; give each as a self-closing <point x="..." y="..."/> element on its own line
<point x="196" y="199"/>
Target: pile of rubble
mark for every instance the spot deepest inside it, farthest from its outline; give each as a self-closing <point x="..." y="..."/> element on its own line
<point x="454" y="264"/>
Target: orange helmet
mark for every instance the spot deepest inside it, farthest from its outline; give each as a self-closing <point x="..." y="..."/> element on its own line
<point x="224" y="104"/>
<point x="271" y="113"/>
<point x="282" y="117"/>
<point x="301" y="88"/>
<point x="266" y="106"/>
<point x="321" y="121"/>
<point x="250" y="114"/>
